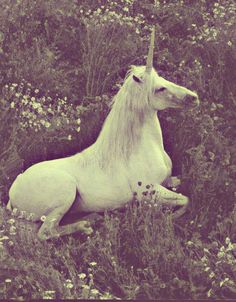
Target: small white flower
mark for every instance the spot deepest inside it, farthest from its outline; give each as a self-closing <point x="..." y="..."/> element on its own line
<point x="12" y="230"/>
<point x="78" y="121"/>
<point x="43" y="218"/>
<point x="68" y="284"/>
<point x="12" y="105"/>
<point x="212" y="275"/>
<point x="94" y="291"/>
<point x="78" y="129"/>
<point x="227" y="240"/>
<point x="47" y="124"/>
<point x="11" y="221"/>
<point x="40" y="110"/>
<point x="69" y="137"/>
<point x="33" y="99"/>
<point x="209" y="292"/>
<point x="230" y="43"/>
<point x="82" y="276"/>
<point x="93" y="263"/>
<point x="8" y="280"/>
<point x="4" y="238"/>
<point x="36" y="91"/>
<point x="220" y="254"/>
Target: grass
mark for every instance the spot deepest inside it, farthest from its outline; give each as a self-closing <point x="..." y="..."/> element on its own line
<point x="134" y="253"/>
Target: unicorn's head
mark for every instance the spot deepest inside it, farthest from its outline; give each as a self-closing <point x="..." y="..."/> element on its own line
<point x="141" y="95"/>
<point x="160" y="93"/>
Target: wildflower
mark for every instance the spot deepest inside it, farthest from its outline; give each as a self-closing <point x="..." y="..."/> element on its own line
<point x="69" y="285"/>
<point x="227" y="240"/>
<point x="93" y="263"/>
<point x="222" y="249"/>
<point x="50" y="110"/>
<point x="94" y="291"/>
<point x="207" y="269"/>
<point x="47" y="124"/>
<point x="4" y="238"/>
<point x="69" y="137"/>
<point x="229" y="43"/>
<point x="220" y="254"/>
<point x="212" y="275"/>
<point x="209" y="292"/>
<point x="231" y="247"/>
<point x="12" y="105"/>
<point x="12" y="230"/>
<point x="33" y="99"/>
<point x="82" y="276"/>
<point x="40" y="110"/>
<point x="78" y="121"/>
<point x="204" y="259"/>
<point x="8" y="280"/>
<point x="36" y="91"/>
<point x="49" y="294"/>
<point x="11" y="221"/>
<point x="43" y="218"/>
<point x="78" y="129"/>
<point x="10" y="243"/>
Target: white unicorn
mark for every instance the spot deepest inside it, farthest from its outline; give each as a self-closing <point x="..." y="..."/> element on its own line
<point x="128" y="151"/>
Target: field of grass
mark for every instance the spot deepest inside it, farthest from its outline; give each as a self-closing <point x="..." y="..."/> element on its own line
<point x="61" y="63"/>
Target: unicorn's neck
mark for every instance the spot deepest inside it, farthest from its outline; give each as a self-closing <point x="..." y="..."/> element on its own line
<point x="121" y="134"/>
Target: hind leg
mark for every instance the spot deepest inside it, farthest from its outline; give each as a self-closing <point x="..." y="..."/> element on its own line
<point x="51" y="228"/>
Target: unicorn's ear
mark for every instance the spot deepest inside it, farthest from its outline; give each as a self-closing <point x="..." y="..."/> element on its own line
<point x="136" y="79"/>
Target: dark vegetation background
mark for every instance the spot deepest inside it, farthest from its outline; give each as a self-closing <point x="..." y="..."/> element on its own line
<point x="60" y="64"/>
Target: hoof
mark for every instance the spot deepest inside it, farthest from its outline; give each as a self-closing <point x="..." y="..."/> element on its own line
<point x="43" y="236"/>
<point x="179" y="212"/>
<point x="46" y="234"/>
<point x="182" y="200"/>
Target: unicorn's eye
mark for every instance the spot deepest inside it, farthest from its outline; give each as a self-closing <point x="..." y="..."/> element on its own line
<point x="160" y="89"/>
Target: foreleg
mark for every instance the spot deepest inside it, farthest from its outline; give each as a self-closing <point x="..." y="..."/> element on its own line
<point x="51" y="228"/>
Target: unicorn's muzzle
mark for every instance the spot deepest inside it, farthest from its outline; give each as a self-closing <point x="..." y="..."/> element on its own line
<point x="191" y="101"/>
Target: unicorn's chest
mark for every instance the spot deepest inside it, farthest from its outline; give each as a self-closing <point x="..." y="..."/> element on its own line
<point x="150" y="163"/>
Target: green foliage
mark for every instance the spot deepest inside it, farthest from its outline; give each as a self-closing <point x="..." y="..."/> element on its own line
<point x="133" y="254"/>
<point x="59" y="62"/>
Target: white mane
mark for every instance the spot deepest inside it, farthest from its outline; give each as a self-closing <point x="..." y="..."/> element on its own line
<point x="121" y="131"/>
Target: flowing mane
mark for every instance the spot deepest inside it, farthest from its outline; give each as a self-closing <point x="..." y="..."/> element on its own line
<point x="121" y="131"/>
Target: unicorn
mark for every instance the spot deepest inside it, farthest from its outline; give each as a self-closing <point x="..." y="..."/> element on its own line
<point x="127" y="155"/>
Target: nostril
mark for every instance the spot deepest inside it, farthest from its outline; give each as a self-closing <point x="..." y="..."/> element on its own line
<point x="192" y="100"/>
